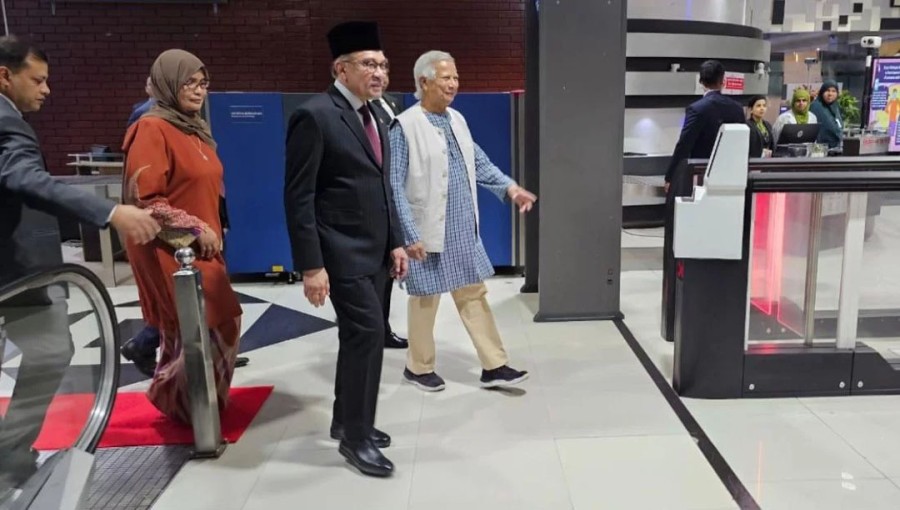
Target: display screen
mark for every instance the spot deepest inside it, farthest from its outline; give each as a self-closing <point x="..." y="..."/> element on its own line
<point x="885" y="106"/>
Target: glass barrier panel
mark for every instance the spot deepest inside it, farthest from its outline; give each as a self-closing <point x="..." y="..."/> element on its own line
<point x="796" y="254"/>
<point x="878" y="325"/>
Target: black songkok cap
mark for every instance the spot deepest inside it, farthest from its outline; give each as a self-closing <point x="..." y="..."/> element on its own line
<point x="353" y="36"/>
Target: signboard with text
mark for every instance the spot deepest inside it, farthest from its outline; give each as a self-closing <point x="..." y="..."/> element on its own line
<point x="884" y="108"/>
<point x="734" y="84"/>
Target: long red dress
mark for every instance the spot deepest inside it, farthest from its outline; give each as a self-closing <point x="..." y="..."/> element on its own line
<point x="179" y="178"/>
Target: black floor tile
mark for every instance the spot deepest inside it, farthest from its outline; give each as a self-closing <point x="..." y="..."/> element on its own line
<point x="249" y="300"/>
<point x="279" y="324"/>
<point x="75" y="317"/>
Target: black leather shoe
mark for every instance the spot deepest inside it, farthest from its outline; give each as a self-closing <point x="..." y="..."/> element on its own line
<point x="241" y="361"/>
<point x="395" y="342"/>
<point x="144" y="361"/>
<point x="378" y="438"/>
<point x="365" y="457"/>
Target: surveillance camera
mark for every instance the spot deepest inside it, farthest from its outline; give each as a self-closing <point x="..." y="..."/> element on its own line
<point x="870" y="41"/>
<point x="761" y="68"/>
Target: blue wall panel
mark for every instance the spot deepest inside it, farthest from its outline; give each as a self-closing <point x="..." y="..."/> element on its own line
<point x="249" y="130"/>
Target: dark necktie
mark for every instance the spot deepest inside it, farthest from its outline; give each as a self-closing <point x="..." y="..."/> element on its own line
<point x="371" y="132"/>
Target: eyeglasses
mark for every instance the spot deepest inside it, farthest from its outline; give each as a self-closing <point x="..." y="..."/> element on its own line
<point x="193" y="85"/>
<point x="372" y="66"/>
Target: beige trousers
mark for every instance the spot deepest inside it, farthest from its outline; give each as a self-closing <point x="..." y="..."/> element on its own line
<point x="476" y="316"/>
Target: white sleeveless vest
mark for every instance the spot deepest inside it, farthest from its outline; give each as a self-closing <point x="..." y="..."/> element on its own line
<point x="427" y="179"/>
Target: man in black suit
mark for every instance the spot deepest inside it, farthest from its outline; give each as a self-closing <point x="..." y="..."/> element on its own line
<point x="39" y="325"/>
<point x="698" y="137"/>
<point x="385" y="107"/>
<point x="703" y="118"/>
<point x="344" y="230"/>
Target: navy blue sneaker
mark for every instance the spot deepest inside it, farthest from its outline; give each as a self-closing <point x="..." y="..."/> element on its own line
<point x="502" y="376"/>
<point x="426" y="382"/>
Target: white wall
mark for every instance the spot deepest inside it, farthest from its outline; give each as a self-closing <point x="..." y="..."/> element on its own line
<point x="652" y="131"/>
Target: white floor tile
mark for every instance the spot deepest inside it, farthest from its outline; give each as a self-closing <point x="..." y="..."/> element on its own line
<point x="784" y="447"/>
<point x="715" y="408"/>
<point x="468" y="411"/>
<point x="874" y="435"/>
<point x="226" y="483"/>
<point x="830" y="495"/>
<point x="577" y="365"/>
<point x="854" y="404"/>
<point x="488" y="474"/>
<point x="323" y="480"/>
<point x="622" y="405"/>
<point x="640" y="473"/>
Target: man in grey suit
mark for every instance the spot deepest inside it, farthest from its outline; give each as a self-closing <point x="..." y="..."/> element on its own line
<point x="39" y="327"/>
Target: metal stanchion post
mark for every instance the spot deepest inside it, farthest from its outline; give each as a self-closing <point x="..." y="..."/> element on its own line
<point x="852" y="270"/>
<point x="204" y="403"/>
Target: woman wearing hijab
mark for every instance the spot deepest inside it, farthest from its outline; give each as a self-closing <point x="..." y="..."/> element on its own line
<point x="798" y="114"/>
<point x="172" y="169"/>
<point x="827" y="110"/>
<point x="761" y="141"/>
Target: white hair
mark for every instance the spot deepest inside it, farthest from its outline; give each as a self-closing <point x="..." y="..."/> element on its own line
<point x="425" y="67"/>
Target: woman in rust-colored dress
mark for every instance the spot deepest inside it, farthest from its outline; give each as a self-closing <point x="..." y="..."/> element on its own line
<point x="172" y="169"/>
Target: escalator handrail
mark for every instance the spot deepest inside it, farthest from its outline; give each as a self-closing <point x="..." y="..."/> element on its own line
<point x="101" y="302"/>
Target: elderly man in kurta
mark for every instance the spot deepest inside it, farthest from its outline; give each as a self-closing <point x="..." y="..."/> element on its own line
<point x="435" y="168"/>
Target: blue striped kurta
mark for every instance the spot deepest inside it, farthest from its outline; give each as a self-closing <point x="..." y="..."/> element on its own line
<point x="464" y="261"/>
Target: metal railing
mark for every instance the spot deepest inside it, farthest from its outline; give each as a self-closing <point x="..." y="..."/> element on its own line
<point x="101" y="303"/>
<point x="62" y="480"/>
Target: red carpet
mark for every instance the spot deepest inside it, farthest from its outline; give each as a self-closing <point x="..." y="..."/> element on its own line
<point x="135" y="422"/>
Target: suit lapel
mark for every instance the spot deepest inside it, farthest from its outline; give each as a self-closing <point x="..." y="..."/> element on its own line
<point x="391" y="101"/>
<point x="383" y="116"/>
<point x="352" y="121"/>
<point x="355" y="125"/>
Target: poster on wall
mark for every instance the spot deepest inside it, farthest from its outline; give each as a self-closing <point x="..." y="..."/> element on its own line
<point x="884" y="108"/>
<point x="734" y="84"/>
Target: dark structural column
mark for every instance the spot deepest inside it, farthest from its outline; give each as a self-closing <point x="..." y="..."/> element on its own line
<point x="532" y="143"/>
<point x="582" y="105"/>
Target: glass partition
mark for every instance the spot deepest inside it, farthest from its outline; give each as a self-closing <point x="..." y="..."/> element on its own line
<point x="815" y="262"/>
<point x="878" y="325"/>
